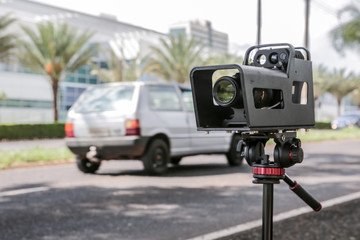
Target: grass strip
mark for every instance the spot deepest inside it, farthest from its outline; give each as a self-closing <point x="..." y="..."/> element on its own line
<point x="316" y="135"/>
<point x="11" y="158"/>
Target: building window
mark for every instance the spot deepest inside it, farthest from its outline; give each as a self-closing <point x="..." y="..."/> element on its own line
<point x="70" y="95"/>
<point x="82" y="75"/>
<point x="22" y="103"/>
<point x="177" y="31"/>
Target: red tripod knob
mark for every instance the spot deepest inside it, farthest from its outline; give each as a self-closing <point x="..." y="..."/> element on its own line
<point x="268" y="171"/>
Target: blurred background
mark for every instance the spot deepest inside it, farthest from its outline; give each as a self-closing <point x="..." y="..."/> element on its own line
<point x="52" y="50"/>
<point x="130" y="40"/>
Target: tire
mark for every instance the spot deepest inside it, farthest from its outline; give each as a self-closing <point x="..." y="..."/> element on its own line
<point x="234" y="158"/>
<point x="175" y="160"/>
<point x="86" y="166"/>
<point x="156" y="157"/>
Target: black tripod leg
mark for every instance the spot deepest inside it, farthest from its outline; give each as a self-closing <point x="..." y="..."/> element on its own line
<point x="267" y="220"/>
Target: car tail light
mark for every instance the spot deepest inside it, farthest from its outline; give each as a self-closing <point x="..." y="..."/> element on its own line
<point x="69" y="130"/>
<point x="132" y="127"/>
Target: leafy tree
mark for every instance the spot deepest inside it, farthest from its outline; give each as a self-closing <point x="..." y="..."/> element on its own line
<point x="174" y="59"/>
<point x="54" y="49"/>
<point x="340" y="84"/>
<point x="118" y="69"/>
<point x="347" y="34"/>
<point x="7" y="40"/>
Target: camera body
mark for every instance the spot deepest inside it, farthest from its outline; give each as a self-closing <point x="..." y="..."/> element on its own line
<point x="271" y="91"/>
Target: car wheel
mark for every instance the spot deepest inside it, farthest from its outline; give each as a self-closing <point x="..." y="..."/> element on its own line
<point x="234" y="158"/>
<point x="175" y="160"/>
<point x="86" y="166"/>
<point x="156" y="157"/>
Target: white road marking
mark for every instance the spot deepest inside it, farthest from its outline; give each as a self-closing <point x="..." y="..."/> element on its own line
<point x="282" y="216"/>
<point x="23" y="191"/>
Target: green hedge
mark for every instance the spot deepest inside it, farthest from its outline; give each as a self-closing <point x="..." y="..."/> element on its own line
<point x="323" y="125"/>
<point x="56" y="130"/>
<point x="32" y="131"/>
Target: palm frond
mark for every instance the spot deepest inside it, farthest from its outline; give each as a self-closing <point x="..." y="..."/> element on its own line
<point x="7" y="40"/>
<point x="347" y="34"/>
<point x="119" y="69"/>
<point x="174" y="58"/>
<point x="54" y="48"/>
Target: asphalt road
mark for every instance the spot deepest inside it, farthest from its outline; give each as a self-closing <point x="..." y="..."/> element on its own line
<point x="201" y="195"/>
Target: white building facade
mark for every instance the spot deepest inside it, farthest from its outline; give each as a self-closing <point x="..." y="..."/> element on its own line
<point x="28" y="96"/>
<point x="203" y="31"/>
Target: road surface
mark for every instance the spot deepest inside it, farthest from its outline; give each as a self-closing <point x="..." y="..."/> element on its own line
<point x="200" y="196"/>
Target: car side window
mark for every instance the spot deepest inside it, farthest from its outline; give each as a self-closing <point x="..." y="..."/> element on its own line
<point x="164" y="98"/>
<point x="188" y="100"/>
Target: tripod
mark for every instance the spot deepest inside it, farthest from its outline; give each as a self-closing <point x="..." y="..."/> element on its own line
<point x="287" y="152"/>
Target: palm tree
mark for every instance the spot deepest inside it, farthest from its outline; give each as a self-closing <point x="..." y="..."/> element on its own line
<point x="219" y="58"/>
<point x="355" y="95"/>
<point x="223" y="58"/>
<point x="174" y="59"/>
<point x="340" y="84"/>
<point x="118" y="69"/>
<point x="7" y="42"/>
<point x="347" y="34"/>
<point x="53" y="49"/>
<point x="320" y="74"/>
<point x="319" y="77"/>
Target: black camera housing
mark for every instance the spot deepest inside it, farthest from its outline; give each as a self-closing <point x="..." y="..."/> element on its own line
<point x="273" y="91"/>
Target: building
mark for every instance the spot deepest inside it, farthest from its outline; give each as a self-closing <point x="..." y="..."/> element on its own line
<point x="28" y="95"/>
<point x="203" y="31"/>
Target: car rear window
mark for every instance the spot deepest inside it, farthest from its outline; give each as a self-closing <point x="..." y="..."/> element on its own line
<point x="164" y="98"/>
<point x="107" y="98"/>
<point x="188" y="100"/>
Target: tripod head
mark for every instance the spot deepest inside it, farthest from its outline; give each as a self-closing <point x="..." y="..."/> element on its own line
<point x="287" y="152"/>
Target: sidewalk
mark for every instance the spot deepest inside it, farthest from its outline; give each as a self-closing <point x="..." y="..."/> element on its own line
<point x="27" y="144"/>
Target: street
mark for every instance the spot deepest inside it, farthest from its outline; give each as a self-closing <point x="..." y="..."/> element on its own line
<point x="199" y="196"/>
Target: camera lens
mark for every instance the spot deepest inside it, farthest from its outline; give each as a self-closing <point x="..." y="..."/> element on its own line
<point x="262" y="97"/>
<point x="225" y="91"/>
<point x="274" y="58"/>
<point x="265" y="98"/>
<point x="261" y="59"/>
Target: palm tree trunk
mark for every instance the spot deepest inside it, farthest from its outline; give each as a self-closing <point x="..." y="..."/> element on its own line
<point x="339" y="107"/>
<point x="55" y="87"/>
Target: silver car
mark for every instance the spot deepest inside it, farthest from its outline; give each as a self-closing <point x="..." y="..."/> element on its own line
<point x="152" y="122"/>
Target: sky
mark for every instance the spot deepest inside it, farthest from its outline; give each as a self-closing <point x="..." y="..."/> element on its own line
<point x="282" y="21"/>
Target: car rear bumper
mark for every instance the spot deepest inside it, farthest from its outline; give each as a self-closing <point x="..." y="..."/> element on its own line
<point x="127" y="147"/>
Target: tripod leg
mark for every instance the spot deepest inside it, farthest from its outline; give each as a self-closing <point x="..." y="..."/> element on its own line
<point x="267" y="219"/>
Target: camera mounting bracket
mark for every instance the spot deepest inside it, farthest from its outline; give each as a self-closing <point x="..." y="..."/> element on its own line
<point x="275" y="56"/>
<point x="257" y="96"/>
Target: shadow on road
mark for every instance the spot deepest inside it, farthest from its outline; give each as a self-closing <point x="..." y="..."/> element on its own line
<point x="22" y="186"/>
<point x="131" y="213"/>
<point x="91" y="212"/>
<point x="186" y="170"/>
